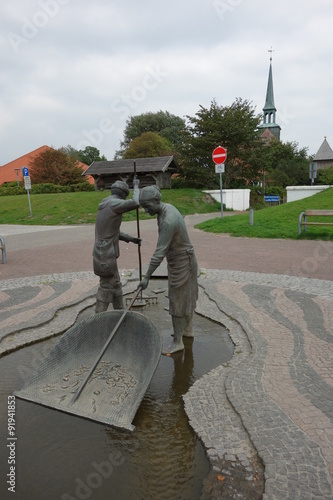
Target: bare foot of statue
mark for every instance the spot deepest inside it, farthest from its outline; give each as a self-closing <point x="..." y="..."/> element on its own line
<point x="173" y="347"/>
<point x="186" y="333"/>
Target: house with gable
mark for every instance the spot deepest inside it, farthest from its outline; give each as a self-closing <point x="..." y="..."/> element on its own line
<point x="324" y="156"/>
<point x="155" y="170"/>
<point x="12" y="171"/>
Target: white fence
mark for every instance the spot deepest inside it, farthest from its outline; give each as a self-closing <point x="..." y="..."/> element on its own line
<point x="235" y="199"/>
<point x="299" y="192"/>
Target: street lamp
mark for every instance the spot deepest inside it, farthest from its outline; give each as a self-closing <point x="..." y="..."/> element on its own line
<point x="17" y="172"/>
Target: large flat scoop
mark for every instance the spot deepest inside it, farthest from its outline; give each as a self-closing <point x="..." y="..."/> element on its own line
<point x="116" y="387"/>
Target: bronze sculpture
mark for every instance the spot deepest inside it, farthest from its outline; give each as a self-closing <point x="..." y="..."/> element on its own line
<point x="106" y="247"/>
<point x="174" y="244"/>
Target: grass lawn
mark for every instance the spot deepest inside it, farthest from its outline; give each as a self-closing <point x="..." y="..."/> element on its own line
<point x="81" y="208"/>
<point x="277" y="221"/>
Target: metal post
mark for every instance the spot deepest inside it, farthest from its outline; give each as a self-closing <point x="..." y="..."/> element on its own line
<point x="139" y="236"/>
<point x="17" y="177"/>
<point x="221" y="194"/>
<point x="29" y="203"/>
<point x="251" y="216"/>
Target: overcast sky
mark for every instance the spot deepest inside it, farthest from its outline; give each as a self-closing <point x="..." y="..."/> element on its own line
<point x="73" y="71"/>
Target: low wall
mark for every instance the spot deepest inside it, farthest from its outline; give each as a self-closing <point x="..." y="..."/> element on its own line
<point x="299" y="192"/>
<point x="235" y="199"/>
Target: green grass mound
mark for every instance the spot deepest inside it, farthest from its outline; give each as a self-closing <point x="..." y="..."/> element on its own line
<point x="277" y="221"/>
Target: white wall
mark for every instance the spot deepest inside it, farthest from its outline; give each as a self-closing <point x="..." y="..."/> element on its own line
<point x="299" y="192"/>
<point x="235" y="199"/>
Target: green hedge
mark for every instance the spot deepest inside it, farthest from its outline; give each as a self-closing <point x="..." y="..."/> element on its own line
<point x="11" y="190"/>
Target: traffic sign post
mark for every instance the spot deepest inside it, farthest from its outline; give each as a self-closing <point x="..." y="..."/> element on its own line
<point x="27" y="184"/>
<point x="220" y="169"/>
<point x="25" y="171"/>
<point x="219" y="157"/>
<point x="313" y="171"/>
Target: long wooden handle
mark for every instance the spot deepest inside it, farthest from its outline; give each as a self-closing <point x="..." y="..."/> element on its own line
<point x="106" y="345"/>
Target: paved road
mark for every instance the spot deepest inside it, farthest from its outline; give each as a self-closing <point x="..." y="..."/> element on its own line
<point x="36" y="250"/>
<point x="274" y="400"/>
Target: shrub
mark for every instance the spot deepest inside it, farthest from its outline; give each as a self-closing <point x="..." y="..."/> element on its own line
<point x="11" y="191"/>
<point x="46" y="188"/>
<point x="276" y="191"/>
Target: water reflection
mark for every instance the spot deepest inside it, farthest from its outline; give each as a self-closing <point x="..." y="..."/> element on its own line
<point x="183" y="376"/>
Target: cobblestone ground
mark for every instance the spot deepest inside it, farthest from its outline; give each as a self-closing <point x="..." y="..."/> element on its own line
<point x="28" y="305"/>
<point x="267" y="415"/>
<point x="279" y="383"/>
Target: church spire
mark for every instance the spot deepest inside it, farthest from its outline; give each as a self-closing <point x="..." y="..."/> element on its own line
<point x="269" y="104"/>
<point x="269" y="109"/>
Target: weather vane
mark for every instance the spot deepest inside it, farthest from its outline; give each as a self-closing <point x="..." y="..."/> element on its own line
<point x="271" y="51"/>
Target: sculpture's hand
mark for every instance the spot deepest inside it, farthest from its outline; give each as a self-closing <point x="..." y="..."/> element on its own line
<point x="137" y="241"/>
<point x="136" y="182"/>
<point x="143" y="284"/>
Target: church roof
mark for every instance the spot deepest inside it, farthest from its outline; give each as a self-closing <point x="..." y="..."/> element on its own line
<point x="268" y="135"/>
<point x="324" y="152"/>
<point x="269" y="104"/>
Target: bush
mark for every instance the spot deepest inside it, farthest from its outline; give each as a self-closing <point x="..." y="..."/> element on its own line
<point x="12" y="184"/>
<point x="82" y="186"/>
<point x="256" y="198"/>
<point x="46" y="188"/>
<point x="183" y="183"/>
<point x="325" y="176"/>
<point x="11" y="191"/>
<point x="276" y="191"/>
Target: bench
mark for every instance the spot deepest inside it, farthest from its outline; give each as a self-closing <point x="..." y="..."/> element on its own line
<point x="302" y="220"/>
<point x="3" y="248"/>
<point x="272" y="199"/>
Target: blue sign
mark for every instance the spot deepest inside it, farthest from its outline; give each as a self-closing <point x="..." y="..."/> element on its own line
<point x="25" y="171"/>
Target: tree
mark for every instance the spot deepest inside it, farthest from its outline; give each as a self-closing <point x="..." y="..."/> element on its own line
<point x="55" y="166"/>
<point x="234" y="127"/>
<point x="148" y="145"/>
<point x="285" y="164"/>
<point x="90" y="154"/>
<point x="86" y="155"/>
<point x="164" y="123"/>
<point x="70" y="151"/>
<point x="325" y="176"/>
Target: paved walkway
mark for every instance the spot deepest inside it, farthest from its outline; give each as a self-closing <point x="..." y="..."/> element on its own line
<point x="274" y="399"/>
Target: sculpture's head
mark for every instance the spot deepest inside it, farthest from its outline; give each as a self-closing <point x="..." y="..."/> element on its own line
<point x="120" y="188"/>
<point x="150" y="199"/>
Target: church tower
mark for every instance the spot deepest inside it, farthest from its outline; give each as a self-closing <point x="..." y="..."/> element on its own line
<point x="269" y="125"/>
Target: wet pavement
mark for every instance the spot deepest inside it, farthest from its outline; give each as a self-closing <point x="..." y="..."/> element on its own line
<point x="273" y="402"/>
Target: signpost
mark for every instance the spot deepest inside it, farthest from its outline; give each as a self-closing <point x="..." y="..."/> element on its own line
<point x="313" y="171"/>
<point x="219" y="157"/>
<point x="27" y="184"/>
<point x="17" y="176"/>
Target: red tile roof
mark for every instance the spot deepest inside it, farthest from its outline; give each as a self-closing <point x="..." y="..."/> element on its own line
<point x="8" y="172"/>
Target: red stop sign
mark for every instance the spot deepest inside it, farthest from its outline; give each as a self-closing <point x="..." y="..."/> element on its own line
<point x="219" y="155"/>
